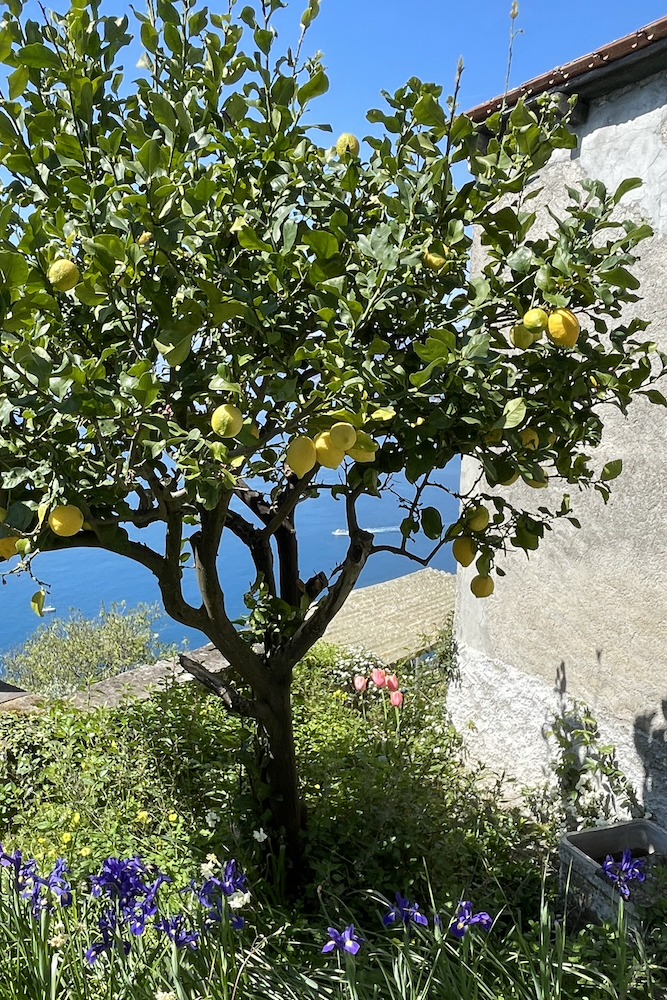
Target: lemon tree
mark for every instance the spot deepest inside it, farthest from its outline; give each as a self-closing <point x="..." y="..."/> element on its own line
<point x="204" y="300"/>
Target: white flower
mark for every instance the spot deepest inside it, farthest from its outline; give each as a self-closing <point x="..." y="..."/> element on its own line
<point x="212" y="818"/>
<point x="161" y="995"/>
<point x="259" y="835"/>
<point x="238" y="899"/>
<point x="58" y="940"/>
<point x="208" y="869"/>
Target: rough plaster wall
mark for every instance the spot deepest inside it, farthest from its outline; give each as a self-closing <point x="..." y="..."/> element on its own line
<point x="591" y="602"/>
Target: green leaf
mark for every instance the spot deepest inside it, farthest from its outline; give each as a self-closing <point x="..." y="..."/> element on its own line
<point x="14" y="268"/>
<point x="37" y="602"/>
<point x="149" y="36"/>
<point x="315" y="87"/>
<point x="37" y="56"/>
<point x="480" y="289"/>
<point x="521" y="260"/>
<point x="149" y="156"/>
<point x="264" y="40"/>
<point x="612" y="470"/>
<point x="427" y="111"/>
<point x="163" y="112"/>
<point x="322" y="242"/>
<point x="513" y="413"/>
<point x="174" y="353"/>
<point x="249" y="240"/>
<point x="620" y="277"/>
<point x="431" y="522"/>
<point x="18" y="80"/>
<point x="629" y="184"/>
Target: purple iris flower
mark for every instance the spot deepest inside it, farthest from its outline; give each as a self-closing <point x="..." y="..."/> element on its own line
<point x="37" y="888"/>
<point x="130" y="889"/>
<point x="107" y="925"/>
<point x="624" y="871"/>
<point x="465" y="918"/>
<point x="175" y="930"/>
<point x="345" y="940"/>
<point x="214" y="891"/>
<point x="405" y="911"/>
<point x="237" y="922"/>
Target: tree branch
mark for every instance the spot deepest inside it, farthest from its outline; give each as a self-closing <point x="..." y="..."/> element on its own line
<point x="230" y="697"/>
<point x="260" y="548"/>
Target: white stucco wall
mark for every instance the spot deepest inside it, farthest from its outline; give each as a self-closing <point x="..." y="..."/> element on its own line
<point x="592" y="601"/>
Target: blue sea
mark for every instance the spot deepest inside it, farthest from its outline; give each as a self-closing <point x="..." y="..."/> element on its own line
<point x="85" y="579"/>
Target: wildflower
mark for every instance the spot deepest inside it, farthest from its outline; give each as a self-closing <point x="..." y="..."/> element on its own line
<point x="76" y="818"/>
<point x="173" y="817"/>
<point x="345" y="940"/>
<point x="620" y="873"/>
<point x="238" y="899"/>
<point x="58" y="941"/>
<point x="142" y="816"/>
<point x="259" y="835"/>
<point x="162" y="995"/>
<point x="465" y="918"/>
<point x="176" y="932"/>
<point x="237" y="922"/>
<point x="106" y="924"/>
<point x="85" y="852"/>
<point x="125" y="885"/>
<point x="360" y="683"/>
<point x="378" y="676"/>
<point x="212" y="819"/>
<point x="66" y="837"/>
<point x="216" y="890"/>
<point x="396" y="698"/>
<point x="391" y="680"/>
<point x="405" y="911"/>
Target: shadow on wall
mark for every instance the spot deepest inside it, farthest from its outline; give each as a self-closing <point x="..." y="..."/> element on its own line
<point x="651" y="745"/>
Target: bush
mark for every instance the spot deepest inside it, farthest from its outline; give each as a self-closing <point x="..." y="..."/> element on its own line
<point x="66" y="654"/>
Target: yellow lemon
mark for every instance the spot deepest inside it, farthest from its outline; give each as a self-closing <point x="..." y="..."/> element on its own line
<point x="537" y="484"/>
<point x="434" y="261"/>
<point x="347" y="143"/>
<point x="301" y="455"/>
<point x="7" y="547"/>
<point x="521" y="337"/>
<point x="482" y="586"/>
<point x="327" y="455"/>
<point x="343" y="435"/>
<point x="227" y="420"/>
<point x="478" y="519"/>
<point x="63" y="274"/>
<point x="464" y="549"/>
<point x="563" y="328"/>
<point x="530" y="438"/>
<point x="66" y="520"/>
<point x="144" y="239"/>
<point x="535" y="320"/>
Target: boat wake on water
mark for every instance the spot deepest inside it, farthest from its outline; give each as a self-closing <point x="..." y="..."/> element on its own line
<point x="372" y="531"/>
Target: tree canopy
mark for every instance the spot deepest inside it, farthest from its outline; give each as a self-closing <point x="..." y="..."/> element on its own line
<point x="189" y="241"/>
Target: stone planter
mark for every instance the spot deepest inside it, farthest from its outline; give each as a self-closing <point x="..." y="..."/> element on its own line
<point x="592" y="897"/>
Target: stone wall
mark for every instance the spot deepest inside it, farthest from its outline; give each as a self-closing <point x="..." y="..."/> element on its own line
<point x="586" y="615"/>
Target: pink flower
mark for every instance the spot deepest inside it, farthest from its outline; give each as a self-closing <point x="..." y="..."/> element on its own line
<point x="392" y="682"/>
<point x="378" y="677"/>
<point x="396" y="698"/>
<point x="360" y="683"/>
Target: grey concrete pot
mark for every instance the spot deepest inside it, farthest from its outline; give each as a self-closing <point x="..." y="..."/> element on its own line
<point x="590" y="896"/>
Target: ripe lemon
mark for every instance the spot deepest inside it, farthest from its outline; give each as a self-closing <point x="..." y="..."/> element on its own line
<point x="482" y="586"/>
<point x="343" y="435"/>
<point x="434" y="261"/>
<point x="227" y="420"/>
<point x="7" y="547"/>
<point x="563" y="328"/>
<point x="327" y="455"/>
<point x="301" y="455"/>
<point x="347" y="143"/>
<point x="144" y="239"/>
<point x="535" y="320"/>
<point x="530" y="438"/>
<point x="464" y="549"/>
<point x="63" y="274"/>
<point x="478" y="519"/>
<point x="521" y="337"/>
<point x="66" y="520"/>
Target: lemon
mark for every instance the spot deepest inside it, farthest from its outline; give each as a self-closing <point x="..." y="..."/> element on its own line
<point x="144" y="239"/>
<point x="63" y="274"/>
<point x="521" y="337"/>
<point x="535" y="320"/>
<point x="482" y="586"/>
<point x="478" y="519"/>
<point x="464" y="549"/>
<point x="301" y="455"/>
<point x="530" y="438"/>
<point x="327" y="455"/>
<point x="66" y="520"/>
<point x="434" y="261"/>
<point x="563" y="328"/>
<point x="537" y="484"/>
<point x="510" y="479"/>
<point x="7" y="547"/>
<point x="343" y="436"/>
<point x="347" y="143"/>
<point x="227" y="420"/>
<point x="364" y="448"/>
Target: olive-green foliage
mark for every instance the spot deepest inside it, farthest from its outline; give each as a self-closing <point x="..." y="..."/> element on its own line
<point x="69" y="653"/>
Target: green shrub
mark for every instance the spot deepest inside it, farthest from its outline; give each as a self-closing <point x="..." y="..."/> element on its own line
<point x="67" y="654"/>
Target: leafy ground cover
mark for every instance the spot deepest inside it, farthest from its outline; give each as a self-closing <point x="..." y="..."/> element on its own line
<point x="173" y="786"/>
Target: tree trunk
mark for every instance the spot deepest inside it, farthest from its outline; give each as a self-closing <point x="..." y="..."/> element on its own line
<point x="281" y="769"/>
